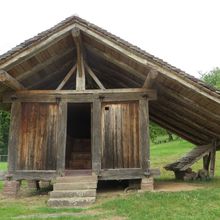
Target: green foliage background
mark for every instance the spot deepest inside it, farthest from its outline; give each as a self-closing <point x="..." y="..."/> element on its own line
<point x="4" y="130"/>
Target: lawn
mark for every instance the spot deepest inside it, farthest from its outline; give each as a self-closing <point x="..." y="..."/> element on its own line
<point x="197" y="204"/>
<point x="3" y="166"/>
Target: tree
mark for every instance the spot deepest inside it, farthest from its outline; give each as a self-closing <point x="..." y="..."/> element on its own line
<point x="212" y="77"/>
<point x="4" y="131"/>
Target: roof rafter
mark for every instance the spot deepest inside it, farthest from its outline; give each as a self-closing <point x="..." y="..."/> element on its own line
<point x="10" y="81"/>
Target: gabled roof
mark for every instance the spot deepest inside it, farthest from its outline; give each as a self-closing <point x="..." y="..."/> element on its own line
<point x="185" y="105"/>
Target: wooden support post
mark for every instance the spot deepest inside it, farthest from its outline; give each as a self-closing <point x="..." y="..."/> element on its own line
<point x="61" y="137"/>
<point x="144" y="134"/>
<point x="66" y="78"/>
<point x="206" y="162"/>
<point x="96" y="136"/>
<point x="212" y="160"/>
<point x="14" y="136"/>
<point x="80" y="76"/>
<point x="92" y="74"/>
<point x="10" y="81"/>
<point x="152" y="75"/>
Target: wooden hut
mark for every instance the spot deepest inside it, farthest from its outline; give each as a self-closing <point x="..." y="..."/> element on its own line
<point x="81" y="99"/>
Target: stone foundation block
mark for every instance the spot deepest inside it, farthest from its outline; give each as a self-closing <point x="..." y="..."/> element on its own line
<point x="11" y="188"/>
<point x="147" y="184"/>
<point x="44" y="184"/>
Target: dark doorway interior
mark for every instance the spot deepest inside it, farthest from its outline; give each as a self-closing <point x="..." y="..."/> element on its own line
<point x="78" y="147"/>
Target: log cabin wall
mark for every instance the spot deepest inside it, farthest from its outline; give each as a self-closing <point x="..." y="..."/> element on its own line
<point x="37" y="148"/>
<point x="120" y="135"/>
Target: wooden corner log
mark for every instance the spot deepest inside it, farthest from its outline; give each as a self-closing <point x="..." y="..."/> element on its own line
<point x="80" y="76"/>
<point x="10" y="81"/>
<point x="150" y="79"/>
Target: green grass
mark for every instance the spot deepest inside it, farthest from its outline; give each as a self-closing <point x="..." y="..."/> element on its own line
<point x="202" y="204"/>
<point x="3" y="166"/>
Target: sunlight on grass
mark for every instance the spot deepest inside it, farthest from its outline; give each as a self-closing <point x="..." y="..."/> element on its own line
<point x="3" y="166"/>
<point x="201" y="204"/>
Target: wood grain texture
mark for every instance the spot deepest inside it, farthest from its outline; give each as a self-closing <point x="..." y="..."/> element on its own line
<point x="61" y="136"/>
<point x="96" y="135"/>
<point x="144" y="133"/>
<point x="13" y="141"/>
<point x="37" y="148"/>
<point x="120" y="135"/>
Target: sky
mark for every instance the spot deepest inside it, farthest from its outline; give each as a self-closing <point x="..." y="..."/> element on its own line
<point x="184" y="33"/>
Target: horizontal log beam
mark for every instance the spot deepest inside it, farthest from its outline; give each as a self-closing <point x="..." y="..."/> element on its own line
<point x="34" y="174"/>
<point x="126" y="173"/>
<point x="80" y="96"/>
<point x="10" y="81"/>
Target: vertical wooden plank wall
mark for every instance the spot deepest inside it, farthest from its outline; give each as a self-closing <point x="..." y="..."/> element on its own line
<point x="96" y="136"/>
<point x="38" y="137"/>
<point x="144" y="134"/>
<point x="61" y="136"/>
<point x="13" y="141"/>
<point x="120" y="137"/>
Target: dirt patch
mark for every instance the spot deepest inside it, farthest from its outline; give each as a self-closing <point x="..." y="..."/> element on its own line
<point x="175" y="187"/>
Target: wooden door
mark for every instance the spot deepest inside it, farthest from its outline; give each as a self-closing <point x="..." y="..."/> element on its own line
<point x="120" y="135"/>
<point x="37" y="148"/>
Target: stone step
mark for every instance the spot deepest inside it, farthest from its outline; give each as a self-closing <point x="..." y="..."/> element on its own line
<point x="71" y="202"/>
<point x="73" y="193"/>
<point x="75" y="186"/>
<point x="72" y="179"/>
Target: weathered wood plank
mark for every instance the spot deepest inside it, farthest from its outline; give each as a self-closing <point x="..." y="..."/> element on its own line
<point x="68" y="95"/>
<point x="144" y="134"/>
<point x="14" y="135"/>
<point x="212" y="160"/>
<point x="10" y="81"/>
<point x="61" y="136"/>
<point x="150" y="79"/>
<point x="41" y="66"/>
<point x="35" y="175"/>
<point x="37" y="149"/>
<point x="125" y="173"/>
<point x="80" y="75"/>
<point x="94" y="77"/>
<point x="96" y="136"/>
<point x="66" y="78"/>
<point x="120" y="125"/>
